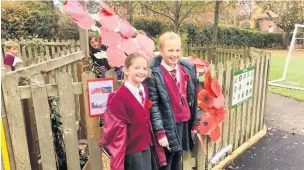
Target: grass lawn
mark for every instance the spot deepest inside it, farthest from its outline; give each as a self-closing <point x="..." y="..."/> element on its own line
<point x="295" y="75"/>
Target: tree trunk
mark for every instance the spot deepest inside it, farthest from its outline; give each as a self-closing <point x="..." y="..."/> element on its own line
<point x="216" y="21"/>
<point x="176" y="17"/>
<point x="286" y="39"/>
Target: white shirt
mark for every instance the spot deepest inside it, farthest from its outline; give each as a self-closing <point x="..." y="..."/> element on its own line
<point x="168" y="68"/>
<point x="16" y="59"/>
<point x="135" y="91"/>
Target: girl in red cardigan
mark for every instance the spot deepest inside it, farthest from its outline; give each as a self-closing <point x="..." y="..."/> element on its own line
<point x="129" y="138"/>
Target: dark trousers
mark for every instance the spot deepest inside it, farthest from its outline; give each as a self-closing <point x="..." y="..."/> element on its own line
<point x="143" y="160"/>
<point x="174" y="161"/>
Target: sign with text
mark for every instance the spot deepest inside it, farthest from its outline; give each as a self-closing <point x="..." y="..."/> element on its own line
<point x="242" y="86"/>
<point x="98" y="92"/>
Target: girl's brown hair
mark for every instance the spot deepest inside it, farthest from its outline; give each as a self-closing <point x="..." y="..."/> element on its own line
<point x="129" y="60"/>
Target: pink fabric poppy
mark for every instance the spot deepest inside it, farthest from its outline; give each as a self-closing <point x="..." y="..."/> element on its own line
<point x="85" y="23"/>
<point x="207" y="124"/>
<point x="145" y="43"/>
<point x="217" y="114"/>
<point x="219" y="101"/>
<point x="215" y="134"/>
<point x="109" y="22"/>
<point x="216" y="87"/>
<point x="74" y="9"/>
<point x="116" y="57"/>
<point x="125" y="28"/>
<point x="106" y="7"/>
<point x="110" y="38"/>
<point x="128" y="45"/>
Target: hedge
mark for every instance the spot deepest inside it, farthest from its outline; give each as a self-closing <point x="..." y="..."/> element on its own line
<point x="226" y="35"/>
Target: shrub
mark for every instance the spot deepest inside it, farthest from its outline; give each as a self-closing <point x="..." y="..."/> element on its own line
<point x="152" y="26"/>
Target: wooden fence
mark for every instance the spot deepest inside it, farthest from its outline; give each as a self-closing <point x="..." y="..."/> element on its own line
<point x="244" y="123"/>
<point x="39" y="50"/>
<point x="216" y="54"/>
<point x="57" y="79"/>
<point x="26" y="119"/>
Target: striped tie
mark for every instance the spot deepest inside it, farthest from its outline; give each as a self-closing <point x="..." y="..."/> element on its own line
<point x="173" y="74"/>
<point x="142" y="96"/>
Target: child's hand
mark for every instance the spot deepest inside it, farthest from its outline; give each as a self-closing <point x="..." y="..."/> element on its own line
<point x="164" y="142"/>
<point x="193" y="132"/>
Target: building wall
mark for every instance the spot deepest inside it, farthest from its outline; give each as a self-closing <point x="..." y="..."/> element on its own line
<point x="264" y="26"/>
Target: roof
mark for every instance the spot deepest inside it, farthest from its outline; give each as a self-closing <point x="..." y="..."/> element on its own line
<point x="268" y="15"/>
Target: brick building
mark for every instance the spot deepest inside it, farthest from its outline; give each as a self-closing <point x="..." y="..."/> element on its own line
<point x="267" y="22"/>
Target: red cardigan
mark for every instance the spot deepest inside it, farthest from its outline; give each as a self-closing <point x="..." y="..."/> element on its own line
<point x="127" y="127"/>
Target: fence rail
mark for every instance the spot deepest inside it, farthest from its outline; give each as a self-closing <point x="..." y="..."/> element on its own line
<point x="39" y="50"/>
<point x="217" y="54"/>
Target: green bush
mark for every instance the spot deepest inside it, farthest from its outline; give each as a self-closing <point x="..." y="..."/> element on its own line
<point x="235" y="36"/>
<point x="27" y="19"/>
<point x="152" y="26"/>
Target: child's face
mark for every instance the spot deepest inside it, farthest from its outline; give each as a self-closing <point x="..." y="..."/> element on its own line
<point x="13" y="51"/>
<point x="137" y="71"/>
<point x="94" y="43"/>
<point x="171" y="52"/>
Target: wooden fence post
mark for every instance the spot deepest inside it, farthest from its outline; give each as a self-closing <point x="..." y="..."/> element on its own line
<point x="43" y="122"/>
<point x="67" y="111"/>
<point x="15" y="119"/>
<point x="93" y="133"/>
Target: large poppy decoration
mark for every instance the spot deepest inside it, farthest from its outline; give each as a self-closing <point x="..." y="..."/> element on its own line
<point x="211" y="100"/>
<point x="116" y="33"/>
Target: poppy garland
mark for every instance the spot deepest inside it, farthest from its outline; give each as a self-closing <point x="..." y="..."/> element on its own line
<point x="117" y="34"/>
<point x="211" y="100"/>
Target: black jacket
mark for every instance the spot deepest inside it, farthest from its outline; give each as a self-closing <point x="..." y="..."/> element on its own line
<point x="162" y="116"/>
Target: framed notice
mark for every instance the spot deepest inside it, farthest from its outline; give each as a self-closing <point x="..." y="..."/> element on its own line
<point x="98" y="92"/>
<point x="242" y="86"/>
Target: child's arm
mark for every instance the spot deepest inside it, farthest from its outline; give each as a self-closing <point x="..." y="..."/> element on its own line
<point x="156" y="116"/>
<point x="115" y="130"/>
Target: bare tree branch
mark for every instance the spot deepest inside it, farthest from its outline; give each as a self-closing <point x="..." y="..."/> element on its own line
<point x="153" y="10"/>
<point x="186" y="15"/>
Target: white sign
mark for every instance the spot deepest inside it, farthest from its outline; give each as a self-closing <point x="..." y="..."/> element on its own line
<point x="242" y="86"/>
<point x="98" y="92"/>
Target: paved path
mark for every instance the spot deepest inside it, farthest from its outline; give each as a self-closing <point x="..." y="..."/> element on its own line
<point x="283" y="146"/>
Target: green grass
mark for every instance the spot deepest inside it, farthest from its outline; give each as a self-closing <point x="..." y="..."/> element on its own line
<point x="294" y="77"/>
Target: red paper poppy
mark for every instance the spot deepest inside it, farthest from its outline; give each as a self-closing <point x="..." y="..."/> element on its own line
<point x="207" y="81"/>
<point x="128" y="45"/>
<point x="219" y="101"/>
<point x="201" y="68"/>
<point x="109" y="22"/>
<point x="149" y="104"/>
<point x="116" y="57"/>
<point x="217" y="114"/>
<point x="206" y="99"/>
<point x="187" y="77"/>
<point x="110" y="38"/>
<point x="216" y="87"/>
<point x="145" y="43"/>
<point x="215" y="134"/>
<point x="125" y="28"/>
<point x="207" y="124"/>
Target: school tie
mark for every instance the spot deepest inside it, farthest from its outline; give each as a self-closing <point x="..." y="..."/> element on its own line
<point x="173" y="74"/>
<point x="141" y="94"/>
